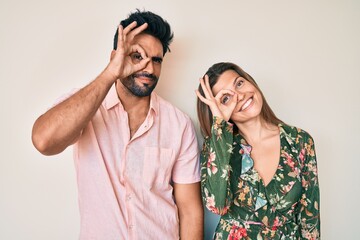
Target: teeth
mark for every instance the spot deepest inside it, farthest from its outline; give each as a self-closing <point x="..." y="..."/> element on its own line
<point x="246" y="104"/>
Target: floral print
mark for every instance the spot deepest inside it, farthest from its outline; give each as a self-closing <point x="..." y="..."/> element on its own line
<point x="286" y="208"/>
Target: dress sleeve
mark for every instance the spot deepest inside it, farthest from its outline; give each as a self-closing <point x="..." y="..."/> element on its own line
<point x="309" y="215"/>
<point x="215" y="168"/>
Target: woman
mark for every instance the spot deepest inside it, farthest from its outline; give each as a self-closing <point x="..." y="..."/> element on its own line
<point x="258" y="173"/>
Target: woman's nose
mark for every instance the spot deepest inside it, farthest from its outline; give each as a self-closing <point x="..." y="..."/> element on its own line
<point x="240" y="96"/>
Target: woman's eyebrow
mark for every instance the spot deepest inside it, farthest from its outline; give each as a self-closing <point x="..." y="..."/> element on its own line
<point x="234" y="83"/>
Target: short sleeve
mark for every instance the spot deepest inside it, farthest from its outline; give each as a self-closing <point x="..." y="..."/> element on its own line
<point x="187" y="167"/>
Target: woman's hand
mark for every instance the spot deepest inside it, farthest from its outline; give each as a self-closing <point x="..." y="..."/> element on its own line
<point x="223" y="104"/>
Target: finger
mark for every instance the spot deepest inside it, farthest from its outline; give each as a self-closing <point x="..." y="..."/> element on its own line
<point x="212" y="105"/>
<point x="201" y="97"/>
<point x="233" y="102"/>
<point x="139" y="49"/>
<point x="137" y="30"/>
<point x="204" y="88"/>
<point x="130" y="27"/>
<point x="120" y="42"/>
<point x="234" y="99"/>
<point x="223" y="92"/>
<point x="141" y="65"/>
<point x="207" y="84"/>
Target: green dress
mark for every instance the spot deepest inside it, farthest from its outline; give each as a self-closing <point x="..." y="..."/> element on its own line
<point x="286" y="208"/>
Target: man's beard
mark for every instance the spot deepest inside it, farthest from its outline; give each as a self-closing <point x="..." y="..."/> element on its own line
<point x="140" y="91"/>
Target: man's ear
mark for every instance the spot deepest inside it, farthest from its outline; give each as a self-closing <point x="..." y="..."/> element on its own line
<point x="112" y="54"/>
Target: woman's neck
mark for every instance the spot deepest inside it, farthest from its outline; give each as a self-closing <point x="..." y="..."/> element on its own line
<point x="257" y="130"/>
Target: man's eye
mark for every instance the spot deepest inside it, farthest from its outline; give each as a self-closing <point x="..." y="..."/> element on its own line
<point x="136" y="57"/>
<point x="157" y="60"/>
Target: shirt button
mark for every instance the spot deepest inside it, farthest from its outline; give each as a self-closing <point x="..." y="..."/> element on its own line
<point x="128" y="197"/>
<point x="131" y="226"/>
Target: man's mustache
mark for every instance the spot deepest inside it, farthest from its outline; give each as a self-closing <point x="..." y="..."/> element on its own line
<point x="145" y="74"/>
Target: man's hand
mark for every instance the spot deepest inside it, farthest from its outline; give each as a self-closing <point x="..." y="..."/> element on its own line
<point x="223" y="104"/>
<point x="62" y="125"/>
<point x="121" y="64"/>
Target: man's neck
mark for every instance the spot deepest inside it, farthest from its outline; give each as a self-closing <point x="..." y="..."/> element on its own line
<point x="132" y="104"/>
<point x="137" y="108"/>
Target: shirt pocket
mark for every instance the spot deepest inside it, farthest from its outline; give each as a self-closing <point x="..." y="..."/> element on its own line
<point x="157" y="167"/>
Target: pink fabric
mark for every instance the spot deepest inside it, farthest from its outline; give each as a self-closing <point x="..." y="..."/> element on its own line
<point x="124" y="184"/>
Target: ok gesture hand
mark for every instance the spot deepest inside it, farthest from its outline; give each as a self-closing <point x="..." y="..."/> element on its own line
<point x="121" y="64"/>
<point x="223" y="104"/>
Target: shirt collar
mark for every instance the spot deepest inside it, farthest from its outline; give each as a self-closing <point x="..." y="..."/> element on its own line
<point x="285" y="134"/>
<point x="112" y="98"/>
<point x="154" y="103"/>
<point x="290" y="134"/>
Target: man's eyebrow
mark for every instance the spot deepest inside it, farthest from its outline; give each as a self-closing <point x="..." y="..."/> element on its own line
<point x="157" y="59"/>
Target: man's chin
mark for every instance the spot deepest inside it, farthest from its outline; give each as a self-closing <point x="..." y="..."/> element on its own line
<point x="142" y="91"/>
<point x="139" y="88"/>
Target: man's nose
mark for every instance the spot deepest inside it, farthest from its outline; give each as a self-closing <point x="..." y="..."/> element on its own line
<point x="149" y="67"/>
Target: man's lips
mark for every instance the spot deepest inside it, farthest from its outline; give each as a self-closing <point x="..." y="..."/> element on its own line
<point x="145" y="80"/>
<point x="145" y="77"/>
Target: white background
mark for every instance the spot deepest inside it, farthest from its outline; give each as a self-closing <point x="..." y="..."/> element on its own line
<point x="305" y="55"/>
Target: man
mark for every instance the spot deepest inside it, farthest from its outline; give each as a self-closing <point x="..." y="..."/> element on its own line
<point x="136" y="155"/>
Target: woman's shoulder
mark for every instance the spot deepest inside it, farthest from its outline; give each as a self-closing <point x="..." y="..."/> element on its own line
<point x="295" y="132"/>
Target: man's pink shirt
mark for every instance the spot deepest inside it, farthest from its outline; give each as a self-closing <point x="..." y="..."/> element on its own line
<point x="125" y="185"/>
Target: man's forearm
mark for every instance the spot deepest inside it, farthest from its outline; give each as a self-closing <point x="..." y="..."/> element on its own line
<point x="61" y="125"/>
<point x="192" y="226"/>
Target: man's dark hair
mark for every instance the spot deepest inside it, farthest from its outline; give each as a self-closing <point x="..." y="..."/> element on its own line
<point x="157" y="27"/>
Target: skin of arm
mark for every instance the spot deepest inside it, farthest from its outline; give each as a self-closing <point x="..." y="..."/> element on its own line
<point x="61" y="126"/>
<point x="191" y="212"/>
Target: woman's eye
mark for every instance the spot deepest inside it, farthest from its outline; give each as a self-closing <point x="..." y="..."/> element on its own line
<point x="225" y="99"/>
<point x="239" y="83"/>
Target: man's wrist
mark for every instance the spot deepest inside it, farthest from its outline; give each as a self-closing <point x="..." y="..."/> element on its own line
<point x="109" y="75"/>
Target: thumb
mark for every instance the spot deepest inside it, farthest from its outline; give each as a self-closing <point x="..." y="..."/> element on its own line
<point x="141" y="65"/>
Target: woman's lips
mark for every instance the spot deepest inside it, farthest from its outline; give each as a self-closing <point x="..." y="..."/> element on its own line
<point x="246" y="104"/>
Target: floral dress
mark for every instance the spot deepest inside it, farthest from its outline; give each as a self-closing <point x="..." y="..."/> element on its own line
<point x="286" y="208"/>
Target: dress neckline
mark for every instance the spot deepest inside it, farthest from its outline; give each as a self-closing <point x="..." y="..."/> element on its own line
<point x="246" y="148"/>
